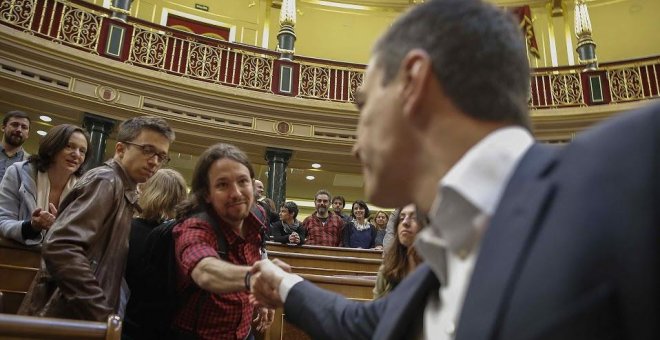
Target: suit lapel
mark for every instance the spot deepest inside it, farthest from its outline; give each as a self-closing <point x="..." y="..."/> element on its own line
<point x="405" y="305"/>
<point x="509" y="236"/>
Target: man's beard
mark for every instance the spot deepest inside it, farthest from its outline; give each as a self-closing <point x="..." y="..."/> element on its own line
<point x="322" y="210"/>
<point x="14" y="140"/>
<point x="337" y="211"/>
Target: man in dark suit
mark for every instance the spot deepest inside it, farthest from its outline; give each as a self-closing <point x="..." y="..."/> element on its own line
<point x="524" y="241"/>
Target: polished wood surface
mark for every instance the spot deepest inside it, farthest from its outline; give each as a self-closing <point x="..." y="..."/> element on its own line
<point x="327" y="261"/>
<point x="323" y="250"/>
<point x="18" y="266"/>
<point x="29" y="327"/>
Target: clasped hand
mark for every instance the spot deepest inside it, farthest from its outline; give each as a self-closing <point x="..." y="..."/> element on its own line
<point x="265" y="282"/>
<point x="41" y="219"/>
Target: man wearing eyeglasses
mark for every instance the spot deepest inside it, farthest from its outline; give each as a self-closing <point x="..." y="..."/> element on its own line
<point x="85" y="250"/>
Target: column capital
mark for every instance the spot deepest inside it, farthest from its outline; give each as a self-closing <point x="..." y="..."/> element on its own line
<point x="101" y="124"/>
<point x="278" y="155"/>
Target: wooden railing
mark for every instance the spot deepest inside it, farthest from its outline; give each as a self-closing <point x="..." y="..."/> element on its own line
<point x="29" y="327"/>
<point x="89" y="28"/>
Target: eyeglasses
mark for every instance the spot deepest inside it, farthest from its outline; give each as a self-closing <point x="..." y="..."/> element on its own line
<point x="149" y="151"/>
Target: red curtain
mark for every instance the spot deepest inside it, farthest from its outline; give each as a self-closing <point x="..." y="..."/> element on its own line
<point x="524" y="15"/>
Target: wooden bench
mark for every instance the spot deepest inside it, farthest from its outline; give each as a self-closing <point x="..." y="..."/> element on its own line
<point x="18" y="266"/>
<point x="327" y="262"/>
<point x="322" y="250"/>
<point x="30" y="327"/>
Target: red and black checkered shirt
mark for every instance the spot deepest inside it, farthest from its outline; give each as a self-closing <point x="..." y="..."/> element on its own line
<point x="324" y="234"/>
<point x="219" y="316"/>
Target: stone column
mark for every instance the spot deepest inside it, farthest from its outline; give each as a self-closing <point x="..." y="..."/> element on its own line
<point x="586" y="47"/>
<point x="286" y="38"/>
<point x="121" y="9"/>
<point x="278" y="159"/>
<point x="99" y="129"/>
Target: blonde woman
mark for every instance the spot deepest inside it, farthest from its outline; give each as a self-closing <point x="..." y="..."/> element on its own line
<point x="160" y="194"/>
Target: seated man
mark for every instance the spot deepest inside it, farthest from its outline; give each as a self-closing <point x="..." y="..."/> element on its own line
<point x="288" y="229"/>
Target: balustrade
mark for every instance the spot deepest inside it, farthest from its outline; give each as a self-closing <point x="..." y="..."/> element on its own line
<point x="88" y="27"/>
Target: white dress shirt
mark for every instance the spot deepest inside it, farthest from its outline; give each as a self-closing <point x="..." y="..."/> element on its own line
<point x="478" y="179"/>
<point x="467" y="197"/>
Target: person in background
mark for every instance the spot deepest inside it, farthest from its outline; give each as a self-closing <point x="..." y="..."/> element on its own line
<point x="271" y="211"/>
<point x="159" y="196"/>
<point x="359" y="233"/>
<point x="380" y="222"/>
<point x="16" y="128"/>
<point x="32" y="190"/>
<point x="401" y="258"/>
<point x="288" y="229"/>
<point x="338" y="204"/>
<point x="258" y="190"/>
<point x="323" y="228"/>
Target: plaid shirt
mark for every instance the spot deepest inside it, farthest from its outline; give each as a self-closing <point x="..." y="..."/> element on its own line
<point x="324" y="234"/>
<point x="219" y="316"/>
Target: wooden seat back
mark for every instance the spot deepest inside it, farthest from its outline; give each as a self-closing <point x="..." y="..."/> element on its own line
<point x="18" y="266"/>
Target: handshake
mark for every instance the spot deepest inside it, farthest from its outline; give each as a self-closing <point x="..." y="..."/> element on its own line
<point x="265" y="278"/>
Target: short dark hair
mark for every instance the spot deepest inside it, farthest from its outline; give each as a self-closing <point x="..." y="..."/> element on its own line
<point x="292" y="207"/>
<point x="363" y="205"/>
<point x="478" y="55"/>
<point x="322" y="192"/>
<point x="15" y="114"/>
<point x="341" y="198"/>
<point x="55" y="140"/>
<point x="130" y="129"/>
<point x="200" y="181"/>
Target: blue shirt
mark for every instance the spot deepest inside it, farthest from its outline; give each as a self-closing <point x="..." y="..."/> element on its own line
<point x="6" y="161"/>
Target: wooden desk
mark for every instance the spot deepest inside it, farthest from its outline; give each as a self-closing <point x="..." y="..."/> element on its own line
<point x="358" y="289"/>
<point x="327" y="261"/>
<point x="322" y="250"/>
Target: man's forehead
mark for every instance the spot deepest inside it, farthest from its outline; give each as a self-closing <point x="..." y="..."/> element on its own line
<point x="18" y="120"/>
<point x="322" y="197"/>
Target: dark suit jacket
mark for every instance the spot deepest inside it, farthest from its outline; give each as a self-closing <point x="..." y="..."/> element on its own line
<point x="572" y="252"/>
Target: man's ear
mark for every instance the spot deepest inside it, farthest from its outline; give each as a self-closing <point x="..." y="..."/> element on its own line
<point x="417" y="70"/>
<point x="120" y="149"/>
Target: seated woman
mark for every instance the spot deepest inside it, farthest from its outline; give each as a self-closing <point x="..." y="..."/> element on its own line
<point x="359" y="233"/>
<point x="288" y="229"/>
<point x="380" y="222"/>
<point x="400" y="258"/>
<point x="31" y="191"/>
<point x="160" y="194"/>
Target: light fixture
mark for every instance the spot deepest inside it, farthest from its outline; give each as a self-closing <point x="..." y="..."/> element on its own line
<point x="45" y="118"/>
<point x="316" y="165"/>
<point x="42" y="133"/>
<point x="310" y="178"/>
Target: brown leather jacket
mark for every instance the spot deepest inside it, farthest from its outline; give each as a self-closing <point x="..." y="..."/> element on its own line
<point x="84" y="254"/>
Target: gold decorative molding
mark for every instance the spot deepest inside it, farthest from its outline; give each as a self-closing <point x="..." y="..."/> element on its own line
<point x="107" y="93"/>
